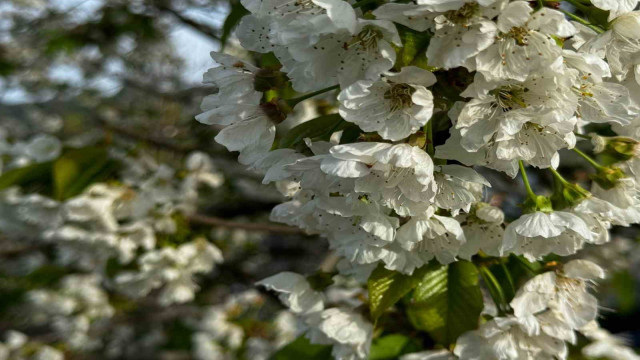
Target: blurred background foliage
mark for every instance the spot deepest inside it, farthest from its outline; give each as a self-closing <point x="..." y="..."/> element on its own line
<point x="127" y="73"/>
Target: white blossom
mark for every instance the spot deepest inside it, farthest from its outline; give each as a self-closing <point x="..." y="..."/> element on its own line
<point x="537" y="234"/>
<point x="395" y="106"/>
<point x="172" y="269"/>
<point x="564" y="292"/>
<point x="524" y="43"/>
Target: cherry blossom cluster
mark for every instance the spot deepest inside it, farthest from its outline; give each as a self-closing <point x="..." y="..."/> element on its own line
<point x="113" y="237"/>
<point x="515" y="83"/>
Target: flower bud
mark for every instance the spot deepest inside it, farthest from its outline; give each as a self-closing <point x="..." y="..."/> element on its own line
<point x="615" y="149"/>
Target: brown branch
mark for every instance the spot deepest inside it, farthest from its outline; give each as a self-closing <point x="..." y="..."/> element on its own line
<point x="10" y="251"/>
<point x="158" y="143"/>
<point x="200" y="27"/>
<point x="266" y="227"/>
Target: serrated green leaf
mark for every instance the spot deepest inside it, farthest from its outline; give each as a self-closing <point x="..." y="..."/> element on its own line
<point x="387" y="287"/>
<point x="392" y="346"/>
<point x="234" y="17"/>
<point x="301" y="349"/>
<point x="319" y="127"/>
<point x="447" y="302"/>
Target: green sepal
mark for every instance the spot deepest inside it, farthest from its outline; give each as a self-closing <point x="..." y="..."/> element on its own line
<point x="539" y="203"/>
<point x="607" y="176"/>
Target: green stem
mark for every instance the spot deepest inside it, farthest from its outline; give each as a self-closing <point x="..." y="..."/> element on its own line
<point x="526" y="264"/>
<point x="559" y="177"/>
<point x="582" y="21"/>
<point x="507" y="274"/>
<point x="583" y="136"/>
<point x="429" y="134"/>
<point x="578" y="5"/>
<point x="295" y="101"/>
<point x="540" y="4"/>
<point x="589" y="159"/>
<point x="525" y="179"/>
<point x="495" y="290"/>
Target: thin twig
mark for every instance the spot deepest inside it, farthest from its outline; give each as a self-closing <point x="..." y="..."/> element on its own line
<point x="202" y="28"/>
<point x="158" y="143"/>
<point x="266" y="227"/>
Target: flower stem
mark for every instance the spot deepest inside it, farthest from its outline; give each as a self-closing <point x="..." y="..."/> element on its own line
<point x="589" y="159"/>
<point x="525" y="179"/>
<point x="429" y="134"/>
<point x="578" y="5"/>
<point x="557" y="175"/>
<point x="540" y="4"/>
<point x="526" y="264"/>
<point x="295" y="101"/>
<point x="582" y="21"/>
<point x="495" y="290"/>
<point x="583" y="136"/>
<point x="507" y="274"/>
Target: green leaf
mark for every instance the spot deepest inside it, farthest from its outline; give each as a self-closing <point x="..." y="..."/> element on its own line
<point x="320" y="127"/>
<point x="65" y="171"/>
<point x="78" y="168"/>
<point x="234" y="17"/>
<point x="387" y="287"/>
<point x="26" y="175"/>
<point x="447" y="302"/>
<point x="496" y="290"/>
<point x="302" y="349"/>
<point x="65" y="177"/>
<point x="392" y="346"/>
<point x="414" y="48"/>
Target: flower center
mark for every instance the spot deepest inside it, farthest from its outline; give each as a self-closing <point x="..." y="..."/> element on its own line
<point x="367" y="38"/>
<point x="298" y="7"/>
<point x="510" y="97"/>
<point x="464" y="14"/>
<point x="520" y="35"/>
<point x="305" y="4"/>
<point x="399" y="96"/>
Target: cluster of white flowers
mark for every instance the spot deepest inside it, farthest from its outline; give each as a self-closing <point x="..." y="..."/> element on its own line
<point x="347" y="331"/>
<point x="16" y="346"/>
<point x="532" y="83"/>
<point x="113" y="234"/>
<point x="219" y="336"/>
<point x="74" y="310"/>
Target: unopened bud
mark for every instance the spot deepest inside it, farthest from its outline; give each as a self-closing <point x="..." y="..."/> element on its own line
<point x="615" y="149"/>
